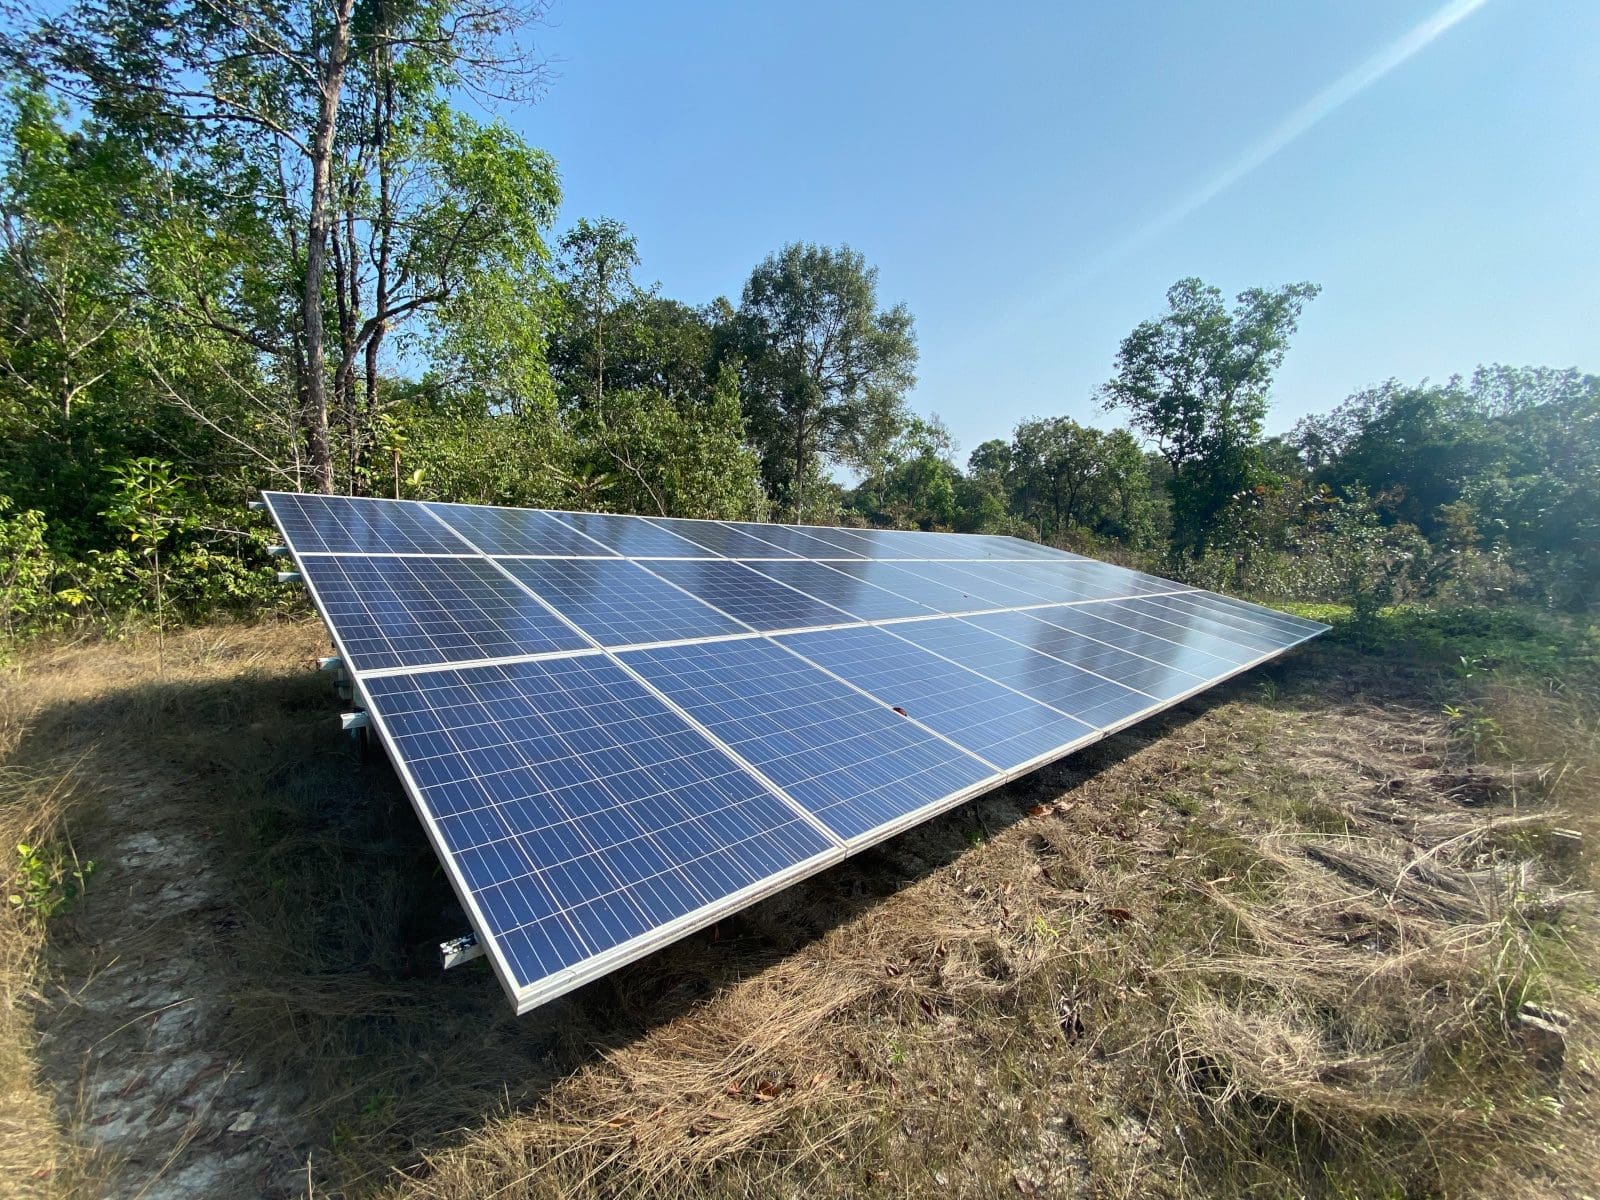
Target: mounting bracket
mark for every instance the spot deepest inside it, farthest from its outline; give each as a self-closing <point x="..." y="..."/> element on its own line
<point x="460" y="950"/>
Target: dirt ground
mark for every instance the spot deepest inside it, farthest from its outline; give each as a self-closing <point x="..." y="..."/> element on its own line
<point x="1299" y="936"/>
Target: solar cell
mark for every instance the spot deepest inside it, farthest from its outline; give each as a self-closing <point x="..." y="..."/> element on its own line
<point x="946" y="547"/>
<point x="517" y="531"/>
<point x="987" y="587"/>
<point x="1134" y="617"/>
<point x="1094" y="581"/>
<point x="1078" y="693"/>
<point x="895" y="577"/>
<point x="848" y="593"/>
<point x="748" y="596"/>
<point x="1002" y="726"/>
<point x="1099" y="623"/>
<point x="723" y="540"/>
<point x="1046" y="582"/>
<point x="853" y="541"/>
<point x="857" y="765"/>
<point x="345" y="525"/>
<point x="619" y="603"/>
<point x="1173" y="610"/>
<point x="1015" y="548"/>
<point x="1283" y="625"/>
<point x="633" y="537"/>
<point x="618" y="729"/>
<point x="581" y="814"/>
<point x="1225" y="622"/>
<point x="792" y="538"/>
<point x="892" y="544"/>
<point x="1034" y="630"/>
<point x="412" y="611"/>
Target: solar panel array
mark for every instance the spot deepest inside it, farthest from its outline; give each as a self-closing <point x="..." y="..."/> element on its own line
<point x="618" y="729"/>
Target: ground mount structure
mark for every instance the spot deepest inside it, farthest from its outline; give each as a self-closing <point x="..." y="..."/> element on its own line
<point x="618" y="729"/>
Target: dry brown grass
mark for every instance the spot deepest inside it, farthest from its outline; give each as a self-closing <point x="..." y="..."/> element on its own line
<point x="36" y="1158"/>
<point x="1308" y="982"/>
<point x="31" y="1149"/>
<point x="1275" y="944"/>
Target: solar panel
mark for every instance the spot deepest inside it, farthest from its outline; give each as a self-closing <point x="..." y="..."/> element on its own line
<point x="518" y="531"/>
<point x="853" y="763"/>
<point x="631" y="536"/>
<point x="989" y="588"/>
<point x="802" y="542"/>
<point x="620" y="603"/>
<point x="619" y="729"/>
<point x="745" y="594"/>
<point x="999" y="724"/>
<point x="341" y="525"/>
<point x="408" y="611"/>
<point x="724" y="540"/>
<point x="1034" y="628"/>
<point x="1080" y="693"/>
<point x="1098" y="623"/>
<point x="579" y="811"/>
<point x="846" y="592"/>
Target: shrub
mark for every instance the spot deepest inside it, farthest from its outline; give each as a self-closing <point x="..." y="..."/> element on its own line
<point x="26" y="570"/>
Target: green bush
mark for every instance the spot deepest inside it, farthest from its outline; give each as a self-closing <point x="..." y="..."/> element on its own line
<point x="26" y="570"/>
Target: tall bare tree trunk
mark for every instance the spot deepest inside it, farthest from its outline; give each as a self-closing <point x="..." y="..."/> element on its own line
<point x="347" y="283"/>
<point x="799" y="469"/>
<point x="602" y="268"/>
<point x="383" y="114"/>
<point x="314" y="414"/>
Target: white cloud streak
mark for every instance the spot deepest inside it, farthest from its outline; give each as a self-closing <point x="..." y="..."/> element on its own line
<point x="1289" y="130"/>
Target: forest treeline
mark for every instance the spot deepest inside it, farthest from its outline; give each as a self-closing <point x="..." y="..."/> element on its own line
<point x="253" y="245"/>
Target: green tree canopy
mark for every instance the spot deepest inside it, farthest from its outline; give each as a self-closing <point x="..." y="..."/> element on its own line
<point x="1196" y="382"/>
<point x="825" y="370"/>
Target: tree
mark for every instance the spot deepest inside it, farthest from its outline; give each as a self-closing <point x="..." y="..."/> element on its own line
<point x="1055" y="464"/>
<point x="148" y="509"/>
<point x="86" y="236"/>
<point x="990" y="462"/>
<point x="1127" y="511"/>
<point x="60" y="253"/>
<point x="1063" y="475"/>
<point x="1505" y="461"/>
<point x="684" y="458"/>
<point x="824" y="369"/>
<point x="1196" y="382"/>
<point x="598" y="258"/>
<point x="252" y="95"/>
<point x="1412" y="448"/>
<point x="917" y="484"/>
<point x="442" y="221"/>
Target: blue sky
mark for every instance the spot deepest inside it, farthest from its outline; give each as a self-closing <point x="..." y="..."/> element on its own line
<point x="1030" y="178"/>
